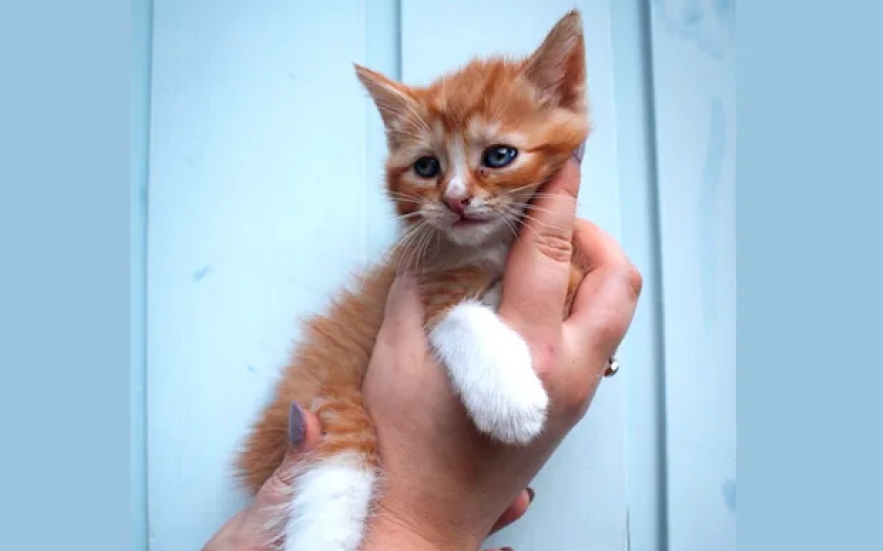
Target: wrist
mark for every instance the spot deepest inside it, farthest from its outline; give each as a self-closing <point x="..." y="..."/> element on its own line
<point x="389" y="532"/>
<point x="235" y="535"/>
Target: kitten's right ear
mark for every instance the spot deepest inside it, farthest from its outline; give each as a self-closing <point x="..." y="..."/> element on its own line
<point x="391" y="98"/>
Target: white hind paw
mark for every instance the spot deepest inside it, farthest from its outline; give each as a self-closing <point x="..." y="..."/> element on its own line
<point x="330" y="505"/>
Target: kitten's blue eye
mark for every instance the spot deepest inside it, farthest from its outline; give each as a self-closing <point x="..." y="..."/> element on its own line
<point x="427" y="167"/>
<point x="498" y="156"/>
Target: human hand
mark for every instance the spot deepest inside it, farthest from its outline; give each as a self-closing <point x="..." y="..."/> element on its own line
<point x="445" y="482"/>
<point x="248" y="529"/>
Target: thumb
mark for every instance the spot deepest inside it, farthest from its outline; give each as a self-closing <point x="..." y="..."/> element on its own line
<point x="403" y="315"/>
<point x="304" y="434"/>
<point x="304" y="430"/>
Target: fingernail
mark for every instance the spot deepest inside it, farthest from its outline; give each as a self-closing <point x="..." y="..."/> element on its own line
<point x="506" y="549"/>
<point x="580" y="151"/>
<point x="530" y="494"/>
<point x="295" y="424"/>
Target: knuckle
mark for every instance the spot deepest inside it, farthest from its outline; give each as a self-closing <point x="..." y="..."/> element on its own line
<point x="555" y="243"/>
<point x="634" y="279"/>
<point x="629" y="276"/>
<point x="571" y="191"/>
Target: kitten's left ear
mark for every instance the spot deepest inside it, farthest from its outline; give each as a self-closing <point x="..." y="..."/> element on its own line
<point x="391" y="98"/>
<point x="558" y="67"/>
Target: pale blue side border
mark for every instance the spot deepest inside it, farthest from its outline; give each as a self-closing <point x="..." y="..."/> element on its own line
<point x="139" y="145"/>
<point x="64" y="275"/>
<point x="810" y="226"/>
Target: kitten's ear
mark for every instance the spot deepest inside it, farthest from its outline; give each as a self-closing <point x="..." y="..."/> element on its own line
<point x="558" y="67"/>
<point x="391" y="98"/>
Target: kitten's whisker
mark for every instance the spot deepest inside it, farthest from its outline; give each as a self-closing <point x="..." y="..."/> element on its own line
<point x="402" y="194"/>
<point x="424" y="246"/>
<point x="523" y="215"/>
<point x="418" y="250"/>
<point x="535" y="220"/>
<point x="516" y="218"/>
<point x="409" y="201"/>
<point x="408" y="215"/>
<point x="516" y="190"/>
<point x="546" y="195"/>
<point x="529" y="206"/>
<point x="409" y="258"/>
<point x="511" y="223"/>
<point x="409" y="246"/>
<point x="402" y="243"/>
<point x="408" y="198"/>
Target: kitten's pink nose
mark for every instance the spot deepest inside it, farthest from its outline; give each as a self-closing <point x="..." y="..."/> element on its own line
<point x="457" y="204"/>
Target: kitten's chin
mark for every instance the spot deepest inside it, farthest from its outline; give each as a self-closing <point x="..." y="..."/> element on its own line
<point x="474" y="234"/>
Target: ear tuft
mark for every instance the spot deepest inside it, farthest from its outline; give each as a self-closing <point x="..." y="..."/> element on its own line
<point x="558" y="66"/>
<point x="391" y="98"/>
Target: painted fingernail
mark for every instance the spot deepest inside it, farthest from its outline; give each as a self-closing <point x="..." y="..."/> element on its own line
<point x="578" y="154"/>
<point x="530" y="494"/>
<point x="296" y="426"/>
<point x="506" y="549"/>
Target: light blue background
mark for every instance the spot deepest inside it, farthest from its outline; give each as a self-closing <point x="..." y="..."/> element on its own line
<point x="259" y="138"/>
<point x="64" y="276"/>
<point x="810" y="267"/>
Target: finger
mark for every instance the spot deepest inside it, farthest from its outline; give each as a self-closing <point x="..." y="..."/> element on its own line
<point x="403" y="315"/>
<point x="597" y="248"/>
<point x="607" y="297"/>
<point x="515" y="511"/>
<point x="535" y="285"/>
<point x="304" y="434"/>
<point x="603" y="310"/>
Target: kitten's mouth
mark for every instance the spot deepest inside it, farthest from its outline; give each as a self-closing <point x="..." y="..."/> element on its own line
<point x="469" y="222"/>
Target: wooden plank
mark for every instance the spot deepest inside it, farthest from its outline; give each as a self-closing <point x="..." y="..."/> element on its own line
<point x="695" y="113"/>
<point x="142" y="23"/>
<point x="641" y="355"/>
<point x="257" y="214"/>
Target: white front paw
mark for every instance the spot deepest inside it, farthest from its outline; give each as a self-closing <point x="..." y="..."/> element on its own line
<point x="490" y="367"/>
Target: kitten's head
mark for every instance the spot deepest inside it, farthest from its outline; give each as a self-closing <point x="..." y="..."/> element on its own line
<point x="467" y="152"/>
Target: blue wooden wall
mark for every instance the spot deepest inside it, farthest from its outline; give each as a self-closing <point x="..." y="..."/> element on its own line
<point x="264" y="162"/>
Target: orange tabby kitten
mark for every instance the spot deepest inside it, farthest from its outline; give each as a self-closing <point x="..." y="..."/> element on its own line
<point x="466" y="155"/>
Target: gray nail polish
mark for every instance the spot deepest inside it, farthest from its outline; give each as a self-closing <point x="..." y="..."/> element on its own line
<point x="296" y="427"/>
<point x="578" y="154"/>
